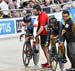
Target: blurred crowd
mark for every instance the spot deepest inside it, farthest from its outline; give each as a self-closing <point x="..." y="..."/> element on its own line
<point x="13" y="8"/>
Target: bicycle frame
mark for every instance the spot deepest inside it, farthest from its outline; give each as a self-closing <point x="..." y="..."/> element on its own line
<point x="57" y="56"/>
<point x="30" y="42"/>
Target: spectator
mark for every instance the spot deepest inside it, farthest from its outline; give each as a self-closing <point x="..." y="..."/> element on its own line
<point x="24" y="5"/>
<point x="12" y="6"/>
<point x="30" y="4"/>
<point x="73" y="4"/>
<point x="7" y="1"/>
<point x="1" y="14"/>
<point x="35" y="1"/>
<point x="56" y="1"/>
<point x="61" y="1"/>
<point x="14" y="13"/>
<point x="47" y="2"/>
<point x="46" y="5"/>
<point x="4" y="7"/>
<point x="68" y="6"/>
<point x="64" y="1"/>
<point x="26" y="8"/>
<point x="56" y="8"/>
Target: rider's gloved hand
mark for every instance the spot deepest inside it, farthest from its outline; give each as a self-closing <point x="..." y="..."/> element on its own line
<point x="21" y="36"/>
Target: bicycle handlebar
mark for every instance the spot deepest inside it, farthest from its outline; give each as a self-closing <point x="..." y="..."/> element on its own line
<point x="27" y="35"/>
<point x="58" y="40"/>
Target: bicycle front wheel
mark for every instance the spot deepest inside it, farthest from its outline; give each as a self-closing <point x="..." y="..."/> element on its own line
<point x="35" y="55"/>
<point x="61" y="66"/>
<point x="53" y="59"/>
<point x="26" y="53"/>
<point x="60" y="56"/>
<point x="54" y="64"/>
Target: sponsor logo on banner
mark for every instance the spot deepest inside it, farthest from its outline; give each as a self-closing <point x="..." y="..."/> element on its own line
<point x="7" y="27"/>
<point x="18" y="25"/>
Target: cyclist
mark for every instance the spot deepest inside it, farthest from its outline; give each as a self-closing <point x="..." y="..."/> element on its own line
<point x="42" y="21"/>
<point x="27" y="24"/>
<point x="30" y="25"/>
<point x="56" y="29"/>
<point x="70" y="38"/>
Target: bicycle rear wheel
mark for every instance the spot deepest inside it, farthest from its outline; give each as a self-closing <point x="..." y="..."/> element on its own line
<point x="35" y="55"/>
<point x="61" y="66"/>
<point x="54" y="64"/>
<point x="53" y="58"/>
<point x="26" y="53"/>
<point x="60" y="56"/>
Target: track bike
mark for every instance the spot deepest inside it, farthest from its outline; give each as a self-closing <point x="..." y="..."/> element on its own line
<point x="30" y="51"/>
<point x="56" y="56"/>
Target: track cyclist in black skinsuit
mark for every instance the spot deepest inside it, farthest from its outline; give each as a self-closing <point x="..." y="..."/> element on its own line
<point x="56" y="29"/>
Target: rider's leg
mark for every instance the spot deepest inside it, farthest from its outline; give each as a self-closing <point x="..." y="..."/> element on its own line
<point x="45" y="48"/>
<point x="37" y="43"/>
<point x="52" y="40"/>
<point x="48" y="39"/>
<point x="62" y="48"/>
<point x="37" y="40"/>
<point x="46" y="53"/>
<point x="52" y="43"/>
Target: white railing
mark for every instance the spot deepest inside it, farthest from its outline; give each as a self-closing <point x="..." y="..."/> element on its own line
<point x="21" y="10"/>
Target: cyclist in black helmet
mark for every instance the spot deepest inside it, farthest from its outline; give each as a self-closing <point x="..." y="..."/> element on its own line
<point x="30" y="24"/>
<point x="27" y="23"/>
<point x="56" y="29"/>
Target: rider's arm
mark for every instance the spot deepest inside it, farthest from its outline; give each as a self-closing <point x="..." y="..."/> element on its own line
<point x="60" y="29"/>
<point x="42" y="24"/>
<point x="39" y="31"/>
<point x="63" y="32"/>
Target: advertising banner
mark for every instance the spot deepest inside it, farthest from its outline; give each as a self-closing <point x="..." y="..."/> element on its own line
<point x="7" y="27"/>
<point x="12" y="26"/>
<point x="18" y="25"/>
